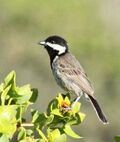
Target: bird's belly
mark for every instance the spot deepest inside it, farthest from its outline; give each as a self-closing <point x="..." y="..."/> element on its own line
<point x="65" y="83"/>
<point x="60" y="81"/>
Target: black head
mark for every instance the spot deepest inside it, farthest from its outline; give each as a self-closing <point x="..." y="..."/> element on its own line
<point x="57" y="40"/>
<point x="55" y="45"/>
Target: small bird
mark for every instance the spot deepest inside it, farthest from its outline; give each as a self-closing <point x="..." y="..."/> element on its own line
<point x="68" y="72"/>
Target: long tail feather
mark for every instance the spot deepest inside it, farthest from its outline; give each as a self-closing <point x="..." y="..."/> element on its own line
<point x="98" y="110"/>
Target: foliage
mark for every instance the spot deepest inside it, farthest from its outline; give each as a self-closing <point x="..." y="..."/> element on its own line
<point x="117" y="138"/>
<point x="50" y="126"/>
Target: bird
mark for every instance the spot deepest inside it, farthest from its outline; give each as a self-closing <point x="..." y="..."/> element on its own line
<point x="69" y="73"/>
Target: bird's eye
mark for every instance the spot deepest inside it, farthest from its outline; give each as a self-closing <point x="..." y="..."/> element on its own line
<point x="53" y="41"/>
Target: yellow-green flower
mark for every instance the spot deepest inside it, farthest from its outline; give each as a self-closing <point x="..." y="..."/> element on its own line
<point x="63" y="102"/>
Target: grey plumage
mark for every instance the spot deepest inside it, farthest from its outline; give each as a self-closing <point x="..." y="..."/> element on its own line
<point x="69" y="74"/>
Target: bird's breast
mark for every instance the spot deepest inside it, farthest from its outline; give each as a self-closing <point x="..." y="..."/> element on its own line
<point x="58" y="75"/>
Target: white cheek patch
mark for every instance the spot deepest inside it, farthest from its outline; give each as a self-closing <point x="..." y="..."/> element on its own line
<point x="61" y="49"/>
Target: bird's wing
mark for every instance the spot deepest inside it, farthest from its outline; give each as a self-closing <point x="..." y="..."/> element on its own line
<point x="73" y="71"/>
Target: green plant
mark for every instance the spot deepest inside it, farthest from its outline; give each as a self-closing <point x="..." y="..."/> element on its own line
<point x="117" y="138"/>
<point x="50" y="126"/>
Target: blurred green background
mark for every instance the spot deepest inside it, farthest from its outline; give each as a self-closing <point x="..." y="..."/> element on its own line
<point x="92" y="29"/>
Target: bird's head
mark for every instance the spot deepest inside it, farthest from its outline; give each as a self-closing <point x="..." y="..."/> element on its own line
<point x="55" y="45"/>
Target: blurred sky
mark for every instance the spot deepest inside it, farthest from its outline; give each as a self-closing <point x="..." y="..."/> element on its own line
<point x="92" y="29"/>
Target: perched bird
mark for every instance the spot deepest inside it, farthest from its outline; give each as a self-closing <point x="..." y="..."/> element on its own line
<point x="69" y="73"/>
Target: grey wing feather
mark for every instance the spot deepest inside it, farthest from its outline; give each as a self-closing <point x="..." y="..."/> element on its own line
<point x="72" y="70"/>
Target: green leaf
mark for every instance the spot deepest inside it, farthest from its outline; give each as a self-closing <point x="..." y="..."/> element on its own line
<point x="56" y="112"/>
<point x="10" y="79"/>
<point x="25" y="135"/>
<point x="52" y="105"/>
<point x="24" y="93"/>
<point x="1" y="87"/>
<point x="4" y="94"/>
<point x="40" y="140"/>
<point x="56" y="136"/>
<point x="3" y="138"/>
<point x="67" y="129"/>
<point x="76" y="107"/>
<point x="74" y="120"/>
<point x="35" y="115"/>
<point x="34" y="95"/>
<point x="82" y="116"/>
<point x="8" y="119"/>
<point x="61" y="138"/>
<point x="41" y="119"/>
<point x="117" y="138"/>
<point x="21" y="134"/>
<point x="42" y="135"/>
<point x="28" y="139"/>
<point x="29" y="132"/>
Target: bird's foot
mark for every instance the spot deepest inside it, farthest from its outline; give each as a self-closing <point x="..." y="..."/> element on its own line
<point x="75" y="101"/>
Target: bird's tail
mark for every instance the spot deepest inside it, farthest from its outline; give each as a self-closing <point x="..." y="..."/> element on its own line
<point x="98" y="110"/>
